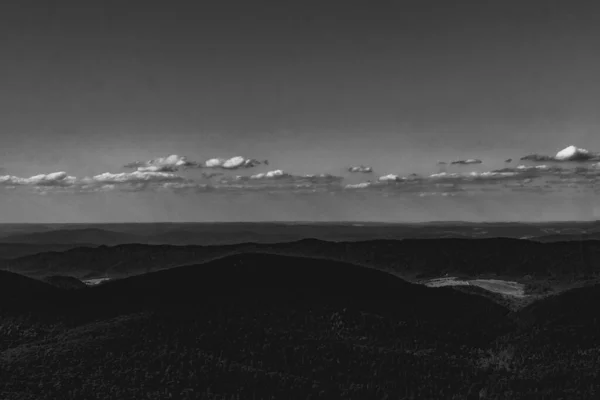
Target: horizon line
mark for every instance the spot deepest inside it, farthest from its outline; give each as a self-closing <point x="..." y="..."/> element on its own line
<point x="431" y="222"/>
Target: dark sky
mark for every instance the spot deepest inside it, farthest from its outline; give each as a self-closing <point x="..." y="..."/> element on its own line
<point x="86" y="87"/>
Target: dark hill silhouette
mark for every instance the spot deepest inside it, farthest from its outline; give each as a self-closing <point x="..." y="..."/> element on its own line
<point x="16" y="250"/>
<point x="567" y="237"/>
<point x="564" y="262"/>
<point x="271" y="326"/>
<point x="65" y="282"/>
<point x="19" y="292"/>
<point x="577" y="306"/>
<point x="264" y="275"/>
<point x="113" y="261"/>
<point x="258" y="279"/>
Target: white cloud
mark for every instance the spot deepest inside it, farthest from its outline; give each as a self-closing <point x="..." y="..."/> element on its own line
<point x="237" y="162"/>
<point x="390" y="178"/>
<point x="134" y="177"/>
<point x="362" y="185"/>
<point x="270" y="175"/>
<point x="474" y="175"/>
<point x="361" y="168"/>
<point x="185" y="187"/>
<point x="279" y="180"/>
<point x="57" y="179"/>
<point x="170" y="163"/>
<point x="280" y="175"/>
<point x="570" y="153"/>
<point x="319" y="178"/>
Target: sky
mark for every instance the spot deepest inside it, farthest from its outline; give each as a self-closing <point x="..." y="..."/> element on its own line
<point x="314" y="88"/>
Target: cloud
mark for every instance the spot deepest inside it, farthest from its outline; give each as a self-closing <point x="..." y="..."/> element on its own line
<point x="570" y="154"/>
<point x="158" y="168"/>
<point x="174" y="163"/>
<point x="532" y="170"/>
<point x="126" y="182"/>
<point x="237" y="162"/>
<point x="151" y="180"/>
<point x="279" y="180"/>
<point x="160" y="175"/>
<point x="170" y="163"/>
<point x="390" y="178"/>
<point x="362" y="185"/>
<point x="443" y="194"/>
<point x="55" y="179"/>
<point x="445" y="182"/>
<point x="276" y="174"/>
<point x="320" y="178"/>
<point x="281" y="176"/>
<point x="573" y="153"/>
<point x="466" y="162"/>
<point x="134" y="177"/>
<point x="361" y="169"/>
<point x="472" y="176"/>
<point x="540" y="171"/>
<point x="185" y="187"/>
<point x="398" y="178"/>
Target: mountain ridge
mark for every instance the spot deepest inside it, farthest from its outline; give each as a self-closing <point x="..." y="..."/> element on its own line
<point x="561" y="263"/>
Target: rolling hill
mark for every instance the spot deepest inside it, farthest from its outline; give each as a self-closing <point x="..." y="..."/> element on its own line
<point x="271" y="319"/>
<point x="559" y="265"/>
<point x="65" y="282"/>
<point x="16" y="250"/>
<point x="261" y="325"/>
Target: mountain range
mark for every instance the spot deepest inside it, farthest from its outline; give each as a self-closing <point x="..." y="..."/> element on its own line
<point x="224" y="233"/>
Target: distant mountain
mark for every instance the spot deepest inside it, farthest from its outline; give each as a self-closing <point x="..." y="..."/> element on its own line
<point x="570" y="237"/>
<point x="237" y="233"/>
<point x="16" y="250"/>
<point x="74" y="236"/>
<point x="113" y="261"/>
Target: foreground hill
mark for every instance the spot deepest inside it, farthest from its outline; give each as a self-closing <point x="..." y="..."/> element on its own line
<point x="65" y="282"/>
<point x="543" y="267"/>
<point x="269" y="326"/>
<point x="265" y="277"/>
<point x="16" y="290"/>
